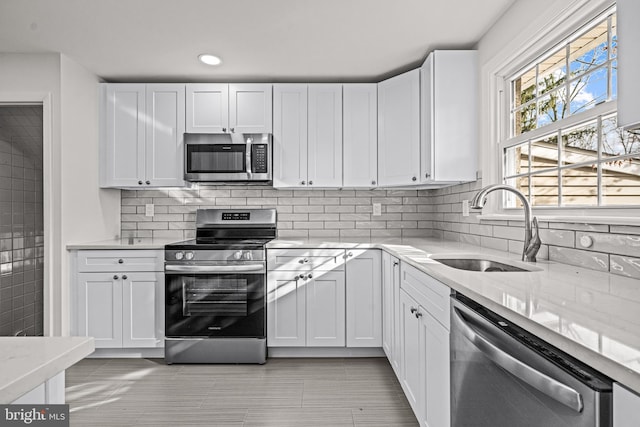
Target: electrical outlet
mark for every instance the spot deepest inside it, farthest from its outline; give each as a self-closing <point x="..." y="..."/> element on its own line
<point x="149" y="209"/>
<point x="377" y="209"/>
<point x="465" y="208"/>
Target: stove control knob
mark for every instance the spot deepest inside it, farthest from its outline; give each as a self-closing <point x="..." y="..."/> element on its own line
<point x="237" y="255"/>
<point x="179" y="255"/>
<point x="247" y="255"/>
<point x="189" y="255"/>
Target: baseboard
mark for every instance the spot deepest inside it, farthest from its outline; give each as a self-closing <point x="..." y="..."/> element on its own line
<point x="325" y="352"/>
<point x="130" y="353"/>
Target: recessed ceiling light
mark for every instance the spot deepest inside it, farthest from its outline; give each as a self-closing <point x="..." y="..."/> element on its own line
<point x="207" y="58"/>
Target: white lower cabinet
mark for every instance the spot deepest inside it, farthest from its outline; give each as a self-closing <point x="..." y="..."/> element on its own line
<point x="316" y="299"/>
<point x="626" y="407"/>
<point x="325" y="309"/>
<point x="390" y="309"/>
<point x="424" y="336"/>
<point x="119" y="309"/>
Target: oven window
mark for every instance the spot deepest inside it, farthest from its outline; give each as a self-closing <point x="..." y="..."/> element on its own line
<point x="215" y="296"/>
<point x="216" y="158"/>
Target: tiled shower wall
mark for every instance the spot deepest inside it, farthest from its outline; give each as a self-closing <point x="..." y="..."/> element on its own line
<point x="321" y="214"/>
<point x="614" y="248"/>
<point x="21" y="221"/>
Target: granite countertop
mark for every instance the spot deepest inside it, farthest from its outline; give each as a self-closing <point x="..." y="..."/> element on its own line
<point x="592" y="315"/>
<point x="27" y="362"/>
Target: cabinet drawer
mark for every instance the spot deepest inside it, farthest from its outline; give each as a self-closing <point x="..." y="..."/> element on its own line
<point x="305" y="259"/>
<point x="428" y="292"/>
<point x="120" y="260"/>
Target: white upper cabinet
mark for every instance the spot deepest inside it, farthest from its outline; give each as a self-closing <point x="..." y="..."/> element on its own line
<point x="628" y="64"/>
<point x="449" y="123"/>
<point x="250" y="108"/>
<point x="224" y="108"/>
<point x="142" y="131"/>
<point x="324" y="155"/>
<point x="290" y="135"/>
<point x="399" y="130"/>
<point x="360" y="134"/>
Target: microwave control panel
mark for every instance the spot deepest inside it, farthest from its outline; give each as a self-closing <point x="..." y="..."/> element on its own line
<point x="259" y="158"/>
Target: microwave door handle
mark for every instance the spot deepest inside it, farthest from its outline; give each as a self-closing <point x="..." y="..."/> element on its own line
<point x="248" y="158"/>
<point x="536" y="379"/>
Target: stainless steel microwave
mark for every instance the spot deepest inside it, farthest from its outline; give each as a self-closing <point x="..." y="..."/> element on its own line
<point x="228" y="158"/>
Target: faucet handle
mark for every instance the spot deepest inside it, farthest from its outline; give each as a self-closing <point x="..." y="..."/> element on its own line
<point x="534" y="245"/>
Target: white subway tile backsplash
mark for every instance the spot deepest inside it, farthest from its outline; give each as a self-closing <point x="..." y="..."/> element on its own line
<point x="587" y="259"/>
<point x="621" y="244"/>
<point x="625" y="266"/>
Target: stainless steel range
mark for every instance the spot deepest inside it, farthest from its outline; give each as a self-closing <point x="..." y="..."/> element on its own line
<point x="215" y="288"/>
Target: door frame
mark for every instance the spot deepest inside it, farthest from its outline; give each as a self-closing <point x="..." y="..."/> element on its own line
<point x="50" y="193"/>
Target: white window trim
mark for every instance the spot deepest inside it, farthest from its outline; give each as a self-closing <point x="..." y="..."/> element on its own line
<point x="541" y="35"/>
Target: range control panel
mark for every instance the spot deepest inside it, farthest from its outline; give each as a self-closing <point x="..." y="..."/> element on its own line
<point x="236" y="216"/>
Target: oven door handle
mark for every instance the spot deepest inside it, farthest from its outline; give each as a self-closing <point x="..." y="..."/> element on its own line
<point x="204" y="269"/>
<point x="536" y="379"/>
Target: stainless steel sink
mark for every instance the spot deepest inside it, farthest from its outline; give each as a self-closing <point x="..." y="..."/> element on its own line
<point x="483" y="265"/>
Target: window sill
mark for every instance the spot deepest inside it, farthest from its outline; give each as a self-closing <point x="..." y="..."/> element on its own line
<point x="608" y="220"/>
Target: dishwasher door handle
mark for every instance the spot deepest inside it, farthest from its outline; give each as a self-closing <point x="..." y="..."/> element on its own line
<point x="536" y="379"/>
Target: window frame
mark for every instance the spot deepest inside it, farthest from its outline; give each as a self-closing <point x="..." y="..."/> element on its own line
<point x="545" y="39"/>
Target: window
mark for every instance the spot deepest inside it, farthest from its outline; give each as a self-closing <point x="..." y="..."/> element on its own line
<point x="564" y="148"/>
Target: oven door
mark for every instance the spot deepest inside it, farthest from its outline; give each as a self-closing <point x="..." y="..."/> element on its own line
<point x="215" y="301"/>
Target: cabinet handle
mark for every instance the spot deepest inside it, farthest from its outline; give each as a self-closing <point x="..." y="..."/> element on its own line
<point x="224" y="129"/>
<point x="301" y="182"/>
<point x="309" y="276"/>
<point x="395" y="263"/>
<point x="115" y="277"/>
<point x="418" y="315"/>
<point x="304" y="261"/>
<point x="350" y="254"/>
<point x="310" y="182"/>
<point x="148" y="182"/>
<point x="426" y="175"/>
<point x="302" y="276"/>
<point x="124" y="277"/>
<point x="120" y="261"/>
<point x="413" y="310"/>
<point x="414" y="178"/>
<point x="232" y="130"/>
<point x="373" y="182"/>
<point x="139" y="182"/>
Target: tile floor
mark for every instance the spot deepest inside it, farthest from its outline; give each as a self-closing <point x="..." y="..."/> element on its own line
<point x="283" y="392"/>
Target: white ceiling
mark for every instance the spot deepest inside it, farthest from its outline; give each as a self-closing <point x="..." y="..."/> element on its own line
<point x="258" y="40"/>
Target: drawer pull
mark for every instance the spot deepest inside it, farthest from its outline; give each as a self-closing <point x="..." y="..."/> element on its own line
<point x="115" y="277"/>
<point x="124" y="277"/>
<point x="120" y="261"/>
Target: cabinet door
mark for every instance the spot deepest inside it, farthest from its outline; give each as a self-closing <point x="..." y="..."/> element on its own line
<point x="143" y="309"/>
<point x="628" y="63"/>
<point x="325" y="293"/>
<point x="324" y="156"/>
<point x="390" y="301"/>
<point x="286" y="309"/>
<point x="207" y="108"/>
<point x="434" y="340"/>
<point x="165" y="135"/>
<point x="123" y="135"/>
<point x="449" y="134"/>
<point x="626" y="405"/>
<point x="360" y="134"/>
<point x="250" y="108"/>
<point x="364" y="298"/>
<point x="289" y="135"/>
<point x="411" y="370"/>
<point x="399" y="129"/>
<point x="100" y="308"/>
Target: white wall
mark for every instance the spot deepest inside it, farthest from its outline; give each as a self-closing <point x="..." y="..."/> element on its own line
<point x="88" y="213"/>
<point x="75" y="208"/>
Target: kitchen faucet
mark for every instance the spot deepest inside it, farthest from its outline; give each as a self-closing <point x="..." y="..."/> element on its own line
<point x="531" y="243"/>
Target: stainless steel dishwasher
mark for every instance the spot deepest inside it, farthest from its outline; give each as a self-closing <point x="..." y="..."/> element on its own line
<point x="502" y="375"/>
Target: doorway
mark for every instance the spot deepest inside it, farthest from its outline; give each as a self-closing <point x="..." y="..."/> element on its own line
<point x="22" y="237"/>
